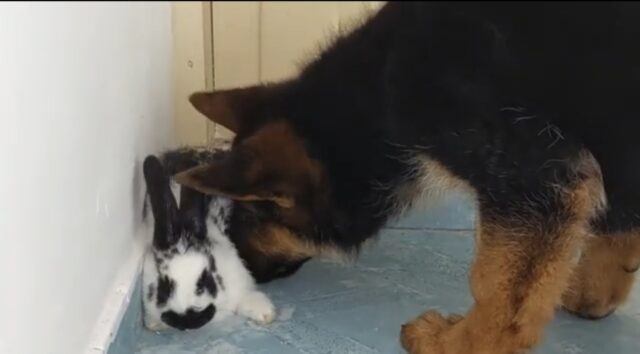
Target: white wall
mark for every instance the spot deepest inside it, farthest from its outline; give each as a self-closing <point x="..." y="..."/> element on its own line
<point x="85" y="93"/>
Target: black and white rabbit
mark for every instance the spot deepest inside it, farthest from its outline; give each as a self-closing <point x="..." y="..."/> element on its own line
<point x="192" y="271"/>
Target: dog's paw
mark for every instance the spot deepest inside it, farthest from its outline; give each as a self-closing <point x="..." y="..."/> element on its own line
<point x="424" y="334"/>
<point x="258" y="307"/>
<point x="604" y="277"/>
<point x="421" y="335"/>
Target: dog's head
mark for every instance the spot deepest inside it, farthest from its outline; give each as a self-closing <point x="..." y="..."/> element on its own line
<point x="282" y="191"/>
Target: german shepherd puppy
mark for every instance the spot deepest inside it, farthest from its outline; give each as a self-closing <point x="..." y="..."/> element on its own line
<point x="533" y="108"/>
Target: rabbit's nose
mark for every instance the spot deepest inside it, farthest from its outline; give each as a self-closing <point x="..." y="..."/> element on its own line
<point x="191" y="319"/>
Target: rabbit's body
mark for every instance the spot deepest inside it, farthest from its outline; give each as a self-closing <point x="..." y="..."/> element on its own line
<point x="192" y="272"/>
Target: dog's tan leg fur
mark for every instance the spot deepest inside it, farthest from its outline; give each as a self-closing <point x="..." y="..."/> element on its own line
<point x="514" y="297"/>
<point x="517" y="281"/>
<point x="604" y="276"/>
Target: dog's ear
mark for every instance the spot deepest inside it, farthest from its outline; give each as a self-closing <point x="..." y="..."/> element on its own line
<point x="271" y="165"/>
<point x="235" y="108"/>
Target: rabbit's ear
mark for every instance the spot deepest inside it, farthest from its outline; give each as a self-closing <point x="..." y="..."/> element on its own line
<point x="163" y="204"/>
<point x="193" y="212"/>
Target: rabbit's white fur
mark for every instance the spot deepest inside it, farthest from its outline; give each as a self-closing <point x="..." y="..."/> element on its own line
<point x="236" y="289"/>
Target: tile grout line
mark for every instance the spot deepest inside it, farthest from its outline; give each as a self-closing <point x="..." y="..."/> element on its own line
<point x="428" y="229"/>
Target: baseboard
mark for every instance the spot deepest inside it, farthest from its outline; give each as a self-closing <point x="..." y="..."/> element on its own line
<point x="116" y="303"/>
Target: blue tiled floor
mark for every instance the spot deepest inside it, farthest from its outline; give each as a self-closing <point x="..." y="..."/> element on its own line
<point x="359" y="308"/>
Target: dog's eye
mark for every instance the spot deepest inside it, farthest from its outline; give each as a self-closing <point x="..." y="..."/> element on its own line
<point x="199" y="291"/>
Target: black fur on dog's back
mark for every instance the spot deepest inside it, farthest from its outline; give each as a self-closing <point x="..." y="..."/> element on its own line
<point x="446" y="77"/>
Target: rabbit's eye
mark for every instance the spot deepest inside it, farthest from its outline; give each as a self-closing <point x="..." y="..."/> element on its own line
<point x="206" y="283"/>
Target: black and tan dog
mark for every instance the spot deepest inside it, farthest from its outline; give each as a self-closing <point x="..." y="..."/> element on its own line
<point x="533" y="107"/>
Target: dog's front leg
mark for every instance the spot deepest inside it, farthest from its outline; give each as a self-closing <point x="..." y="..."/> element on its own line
<point x="525" y="255"/>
